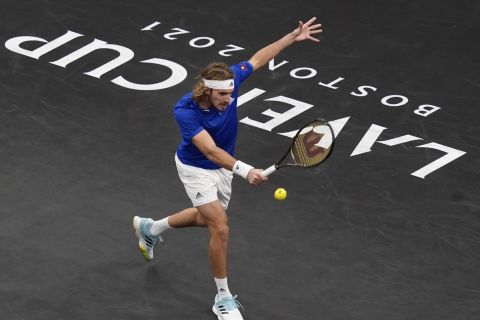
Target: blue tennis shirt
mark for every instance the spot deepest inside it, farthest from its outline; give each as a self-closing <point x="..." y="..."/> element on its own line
<point x="222" y="126"/>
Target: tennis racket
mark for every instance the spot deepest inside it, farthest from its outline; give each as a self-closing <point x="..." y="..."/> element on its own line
<point x="311" y="145"/>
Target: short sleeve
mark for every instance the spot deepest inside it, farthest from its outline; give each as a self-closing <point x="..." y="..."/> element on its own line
<point x="242" y="70"/>
<point x="188" y="122"/>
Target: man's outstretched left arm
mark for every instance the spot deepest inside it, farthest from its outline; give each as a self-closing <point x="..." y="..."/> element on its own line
<point x="304" y="31"/>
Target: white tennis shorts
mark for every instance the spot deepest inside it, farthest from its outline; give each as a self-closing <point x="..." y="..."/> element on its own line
<point x="204" y="186"/>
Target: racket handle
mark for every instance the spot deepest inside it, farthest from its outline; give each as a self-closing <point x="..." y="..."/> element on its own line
<point x="269" y="170"/>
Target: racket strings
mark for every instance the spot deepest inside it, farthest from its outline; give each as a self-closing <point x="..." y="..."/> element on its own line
<point x="306" y="151"/>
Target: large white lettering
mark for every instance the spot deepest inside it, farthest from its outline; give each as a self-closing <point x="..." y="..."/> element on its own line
<point x="451" y="154"/>
<point x="386" y="100"/>
<point x="247" y="96"/>
<point x="279" y="118"/>
<point x="232" y="48"/>
<point x="209" y="42"/>
<point x="399" y="140"/>
<point x="272" y="66"/>
<point x="331" y="83"/>
<point x="125" y="55"/>
<point x="365" y="145"/>
<point x="426" y="109"/>
<point x="14" y="44"/>
<point x="151" y="26"/>
<point x="363" y="91"/>
<point x="310" y="73"/>
<point x="179" y="74"/>
<point x="178" y="31"/>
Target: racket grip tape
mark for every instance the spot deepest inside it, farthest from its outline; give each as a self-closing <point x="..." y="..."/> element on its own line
<point x="269" y="170"/>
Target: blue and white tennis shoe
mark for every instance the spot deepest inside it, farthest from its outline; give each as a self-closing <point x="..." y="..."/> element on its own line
<point x="227" y="308"/>
<point x="146" y="241"/>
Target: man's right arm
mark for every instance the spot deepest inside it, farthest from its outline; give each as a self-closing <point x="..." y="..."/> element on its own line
<point x="204" y="142"/>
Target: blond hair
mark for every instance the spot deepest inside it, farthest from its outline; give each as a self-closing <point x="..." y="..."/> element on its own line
<point x="214" y="71"/>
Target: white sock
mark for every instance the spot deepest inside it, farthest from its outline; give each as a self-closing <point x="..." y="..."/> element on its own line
<point x="159" y="226"/>
<point x="222" y="287"/>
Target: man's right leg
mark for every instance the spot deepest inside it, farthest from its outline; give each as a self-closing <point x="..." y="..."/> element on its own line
<point x="215" y="218"/>
<point x="225" y="306"/>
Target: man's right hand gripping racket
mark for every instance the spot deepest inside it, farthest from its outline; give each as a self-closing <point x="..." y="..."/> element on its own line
<point x="311" y="146"/>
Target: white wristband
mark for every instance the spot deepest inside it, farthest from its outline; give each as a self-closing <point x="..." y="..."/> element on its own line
<point x="242" y="169"/>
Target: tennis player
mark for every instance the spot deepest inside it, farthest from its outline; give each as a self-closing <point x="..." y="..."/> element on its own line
<point x="207" y="118"/>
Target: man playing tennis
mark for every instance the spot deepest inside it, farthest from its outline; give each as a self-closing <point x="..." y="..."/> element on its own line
<point x="207" y="118"/>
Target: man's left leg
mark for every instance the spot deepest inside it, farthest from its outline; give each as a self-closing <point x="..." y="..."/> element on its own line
<point x="149" y="231"/>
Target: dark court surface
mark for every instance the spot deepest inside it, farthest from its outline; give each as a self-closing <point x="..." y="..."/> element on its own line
<point x="387" y="228"/>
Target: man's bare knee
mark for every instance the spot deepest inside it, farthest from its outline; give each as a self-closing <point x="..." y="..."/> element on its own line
<point x="221" y="232"/>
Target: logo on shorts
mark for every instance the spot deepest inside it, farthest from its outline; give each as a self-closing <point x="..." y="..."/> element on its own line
<point x="199" y="195"/>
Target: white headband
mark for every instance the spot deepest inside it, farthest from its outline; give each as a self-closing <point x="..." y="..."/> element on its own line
<point x="219" y="84"/>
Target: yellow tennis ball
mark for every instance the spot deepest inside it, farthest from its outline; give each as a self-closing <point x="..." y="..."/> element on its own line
<point x="280" y="194"/>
